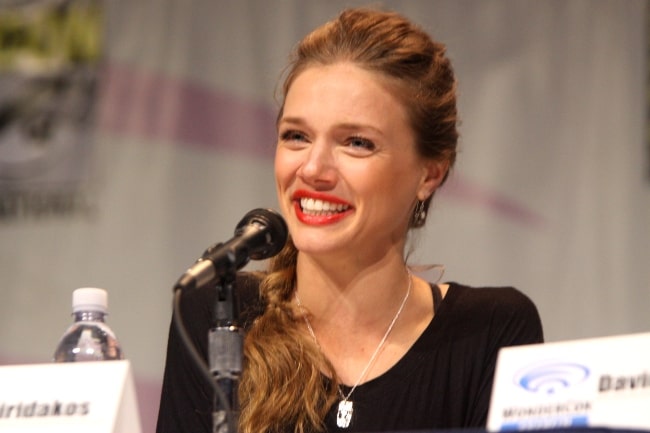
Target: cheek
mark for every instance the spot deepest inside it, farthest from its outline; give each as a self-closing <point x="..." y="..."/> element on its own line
<point x="284" y="167"/>
<point x="394" y="185"/>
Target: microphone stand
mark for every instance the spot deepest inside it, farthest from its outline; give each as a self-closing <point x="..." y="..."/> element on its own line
<point x="225" y="351"/>
<point x="261" y="234"/>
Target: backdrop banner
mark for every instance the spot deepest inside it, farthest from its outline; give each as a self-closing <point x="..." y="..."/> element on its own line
<point x="134" y="134"/>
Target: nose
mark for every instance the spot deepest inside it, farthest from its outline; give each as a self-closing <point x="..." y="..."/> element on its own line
<point x="318" y="168"/>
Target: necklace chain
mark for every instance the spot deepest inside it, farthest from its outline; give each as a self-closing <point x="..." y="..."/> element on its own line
<point x="379" y="346"/>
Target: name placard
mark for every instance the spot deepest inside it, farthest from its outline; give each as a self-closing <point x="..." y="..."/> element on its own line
<point x="91" y="397"/>
<point x="599" y="382"/>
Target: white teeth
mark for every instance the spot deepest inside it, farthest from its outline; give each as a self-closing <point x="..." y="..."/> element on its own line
<point x="320" y="207"/>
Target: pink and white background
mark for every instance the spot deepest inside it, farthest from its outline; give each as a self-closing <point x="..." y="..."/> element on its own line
<point x="551" y="192"/>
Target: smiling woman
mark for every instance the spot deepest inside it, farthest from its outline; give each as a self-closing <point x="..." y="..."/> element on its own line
<point x="341" y="336"/>
<point x="344" y="137"/>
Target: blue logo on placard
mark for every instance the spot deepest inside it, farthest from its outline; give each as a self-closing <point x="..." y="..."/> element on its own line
<point x="550" y="378"/>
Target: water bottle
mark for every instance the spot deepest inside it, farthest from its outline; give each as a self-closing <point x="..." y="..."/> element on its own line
<point x="89" y="338"/>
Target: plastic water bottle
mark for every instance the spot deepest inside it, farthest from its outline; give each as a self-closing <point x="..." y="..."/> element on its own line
<point x="89" y="338"/>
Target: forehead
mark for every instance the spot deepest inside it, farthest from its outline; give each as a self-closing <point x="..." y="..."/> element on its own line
<point x="344" y="89"/>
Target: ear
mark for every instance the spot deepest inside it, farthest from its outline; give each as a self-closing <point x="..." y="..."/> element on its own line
<point x="433" y="173"/>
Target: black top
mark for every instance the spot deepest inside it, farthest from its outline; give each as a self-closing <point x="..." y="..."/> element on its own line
<point x="444" y="381"/>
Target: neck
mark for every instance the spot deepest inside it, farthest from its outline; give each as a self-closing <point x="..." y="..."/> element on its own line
<point x="347" y="338"/>
<point x="347" y="296"/>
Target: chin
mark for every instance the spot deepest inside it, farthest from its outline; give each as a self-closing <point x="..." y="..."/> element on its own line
<point x="313" y="245"/>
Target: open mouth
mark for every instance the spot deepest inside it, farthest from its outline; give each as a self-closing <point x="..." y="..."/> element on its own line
<point x="317" y="207"/>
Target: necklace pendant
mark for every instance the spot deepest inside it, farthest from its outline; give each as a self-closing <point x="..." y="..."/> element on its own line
<point x="344" y="415"/>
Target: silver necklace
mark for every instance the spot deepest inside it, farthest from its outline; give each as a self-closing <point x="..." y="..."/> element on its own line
<point x="344" y="414"/>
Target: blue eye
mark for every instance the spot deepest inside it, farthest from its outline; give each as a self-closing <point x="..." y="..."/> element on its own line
<point x="361" y="143"/>
<point x="292" y="135"/>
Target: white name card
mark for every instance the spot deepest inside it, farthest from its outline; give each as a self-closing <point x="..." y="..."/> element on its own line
<point x="89" y="397"/>
<point x="599" y="382"/>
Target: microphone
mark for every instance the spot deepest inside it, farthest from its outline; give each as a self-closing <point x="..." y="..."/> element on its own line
<point x="261" y="234"/>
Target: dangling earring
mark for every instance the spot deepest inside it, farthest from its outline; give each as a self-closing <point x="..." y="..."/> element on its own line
<point x="419" y="214"/>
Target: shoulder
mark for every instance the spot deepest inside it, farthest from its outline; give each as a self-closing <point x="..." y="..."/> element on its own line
<point x="489" y="299"/>
<point x="248" y="286"/>
<point x="249" y="302"/>
<point x="505" y="312"/>
<point x="200" y="303"/>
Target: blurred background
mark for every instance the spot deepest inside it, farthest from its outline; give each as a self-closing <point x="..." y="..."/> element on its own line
<point x="136" y="133"/>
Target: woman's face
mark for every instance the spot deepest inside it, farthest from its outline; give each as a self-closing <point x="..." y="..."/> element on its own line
<point x="347" y="172"/>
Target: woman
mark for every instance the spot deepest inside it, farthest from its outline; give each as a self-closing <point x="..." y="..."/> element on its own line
<point x="343" y="337"/>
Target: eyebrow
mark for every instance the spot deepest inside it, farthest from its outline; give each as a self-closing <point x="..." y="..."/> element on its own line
<point x="346" y="126"/>
<point x="294" y="120"/>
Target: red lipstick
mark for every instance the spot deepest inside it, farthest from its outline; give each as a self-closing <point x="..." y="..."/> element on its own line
<point x="319" y="218"/>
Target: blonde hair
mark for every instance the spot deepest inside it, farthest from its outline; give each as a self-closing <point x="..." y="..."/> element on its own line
<point x="283" y="385"/>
